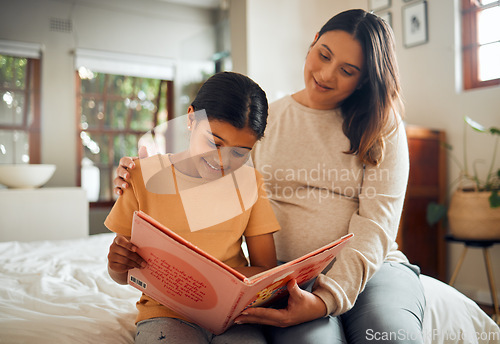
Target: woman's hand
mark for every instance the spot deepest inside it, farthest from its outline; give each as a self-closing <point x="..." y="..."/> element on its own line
<point x="122" y="257"/>
<point x="126" y="163"/>
<point x="302" y="306"/>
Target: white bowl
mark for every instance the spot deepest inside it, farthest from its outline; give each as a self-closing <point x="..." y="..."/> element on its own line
<point x="25" y="176"/>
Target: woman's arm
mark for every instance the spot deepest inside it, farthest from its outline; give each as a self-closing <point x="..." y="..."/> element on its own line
<point x="262" y="254"/>
<point x="375" y="226"/>
<point x="122" y="173"/>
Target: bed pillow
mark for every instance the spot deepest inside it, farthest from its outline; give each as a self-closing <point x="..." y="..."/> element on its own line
<point x="452" y="318"/>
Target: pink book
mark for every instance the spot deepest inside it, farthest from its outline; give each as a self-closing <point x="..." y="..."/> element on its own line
<point x="200" y="287"/>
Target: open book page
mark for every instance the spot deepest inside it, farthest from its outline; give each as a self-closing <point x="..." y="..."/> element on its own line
<point x="200" y="287"/>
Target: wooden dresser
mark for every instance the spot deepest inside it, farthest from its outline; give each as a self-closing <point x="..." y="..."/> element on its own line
<point x="424" y="245"/>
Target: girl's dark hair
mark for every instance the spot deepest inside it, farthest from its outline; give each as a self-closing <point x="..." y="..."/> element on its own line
<point x="236" y="99"/>
<point x="369" y="113"/>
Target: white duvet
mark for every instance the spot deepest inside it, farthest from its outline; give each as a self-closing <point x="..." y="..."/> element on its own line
<point x="60" y="292"/>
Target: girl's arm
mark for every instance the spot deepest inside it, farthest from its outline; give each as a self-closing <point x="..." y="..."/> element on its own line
<point x="262" y="254"/>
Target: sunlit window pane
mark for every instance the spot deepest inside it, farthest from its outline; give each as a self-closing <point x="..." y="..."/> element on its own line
<point x="16" y="101"/>
<point x="14" y="147"/>
<point x="115" y="110"/>
<point x="91" y="82"/>
<point x="11" y="107"/>
<point x="489" y="25"/>
<point x="118" y="111"/>
<point x="489" y="67"/>
<point x="487" y="2"/>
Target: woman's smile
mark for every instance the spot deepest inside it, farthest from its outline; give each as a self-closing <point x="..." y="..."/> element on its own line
<point x="321" y="86"/>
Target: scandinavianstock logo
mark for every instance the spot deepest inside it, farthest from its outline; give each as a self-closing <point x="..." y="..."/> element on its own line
<point x="321" y="183"/>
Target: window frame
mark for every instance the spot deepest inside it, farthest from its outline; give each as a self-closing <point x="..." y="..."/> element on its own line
<point x="32" y="95"/>
<point x="113" y="132"/>
<point x="470" y="46"/>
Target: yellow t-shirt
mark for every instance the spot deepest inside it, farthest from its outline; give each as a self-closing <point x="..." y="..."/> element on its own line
<point x="222" y="240"/>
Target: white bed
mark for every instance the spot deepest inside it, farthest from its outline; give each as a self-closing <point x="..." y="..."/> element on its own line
<point x="60" y="292"/>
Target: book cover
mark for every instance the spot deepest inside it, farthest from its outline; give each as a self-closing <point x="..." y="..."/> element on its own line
<point x="200" y="287"/>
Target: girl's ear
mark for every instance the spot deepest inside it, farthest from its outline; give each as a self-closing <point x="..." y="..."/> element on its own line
<point x="190" y="118"/>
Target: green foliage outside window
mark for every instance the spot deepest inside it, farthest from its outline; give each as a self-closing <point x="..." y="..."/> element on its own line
<point x="16" y="113"/>
<point x="12" y="72"/>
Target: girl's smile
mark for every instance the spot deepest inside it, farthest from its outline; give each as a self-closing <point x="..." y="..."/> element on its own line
<point x="216" y="148"/>
<point x="215" y="168"/>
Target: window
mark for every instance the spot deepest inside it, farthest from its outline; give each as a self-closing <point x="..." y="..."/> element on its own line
<point x="19" y="110"/>
<point x="481" y="43"/>
<point x="114" y="111"/>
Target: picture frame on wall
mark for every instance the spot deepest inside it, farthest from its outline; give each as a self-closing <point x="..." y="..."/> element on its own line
<point x="387" y="16"/>
<point x="377" y="5"/>
<point x="415" y="26"/>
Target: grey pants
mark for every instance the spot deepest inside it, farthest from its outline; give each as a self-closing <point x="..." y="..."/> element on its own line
<point x="169" y="330"/>
<point x="389" y="310"/>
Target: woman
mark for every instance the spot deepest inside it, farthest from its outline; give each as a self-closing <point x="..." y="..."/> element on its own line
<point x="335" y="161"/>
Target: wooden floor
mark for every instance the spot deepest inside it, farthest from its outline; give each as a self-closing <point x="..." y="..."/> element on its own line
<point x="488" y="309"/>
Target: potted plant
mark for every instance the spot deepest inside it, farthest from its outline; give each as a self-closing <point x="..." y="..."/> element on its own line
<point x="474" y="209"/>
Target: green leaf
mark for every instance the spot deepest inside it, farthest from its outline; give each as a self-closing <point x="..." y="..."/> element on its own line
<point x="474" y="125"/>
<point x="494" y="131"/>
<point x="435" y="212"/>
<point x="446" y="145"/>
<point x="494" y="199"/>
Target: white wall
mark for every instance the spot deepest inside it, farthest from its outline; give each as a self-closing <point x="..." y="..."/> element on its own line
<point x="148" y="27"/>
<point x="238" y="33"/>
<point x="279" y="34"/>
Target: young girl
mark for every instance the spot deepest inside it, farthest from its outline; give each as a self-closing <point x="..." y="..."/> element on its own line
<point x="180" y="196"/>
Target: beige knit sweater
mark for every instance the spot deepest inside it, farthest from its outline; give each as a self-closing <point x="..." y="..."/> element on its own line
<point x="320" y="193"/>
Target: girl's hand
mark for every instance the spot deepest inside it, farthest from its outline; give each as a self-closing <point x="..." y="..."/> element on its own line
<point x="262" y="254"/>
<point x="302" y="306"/>
<point x="122" y="257"/>
<point x="122" y="174"/>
